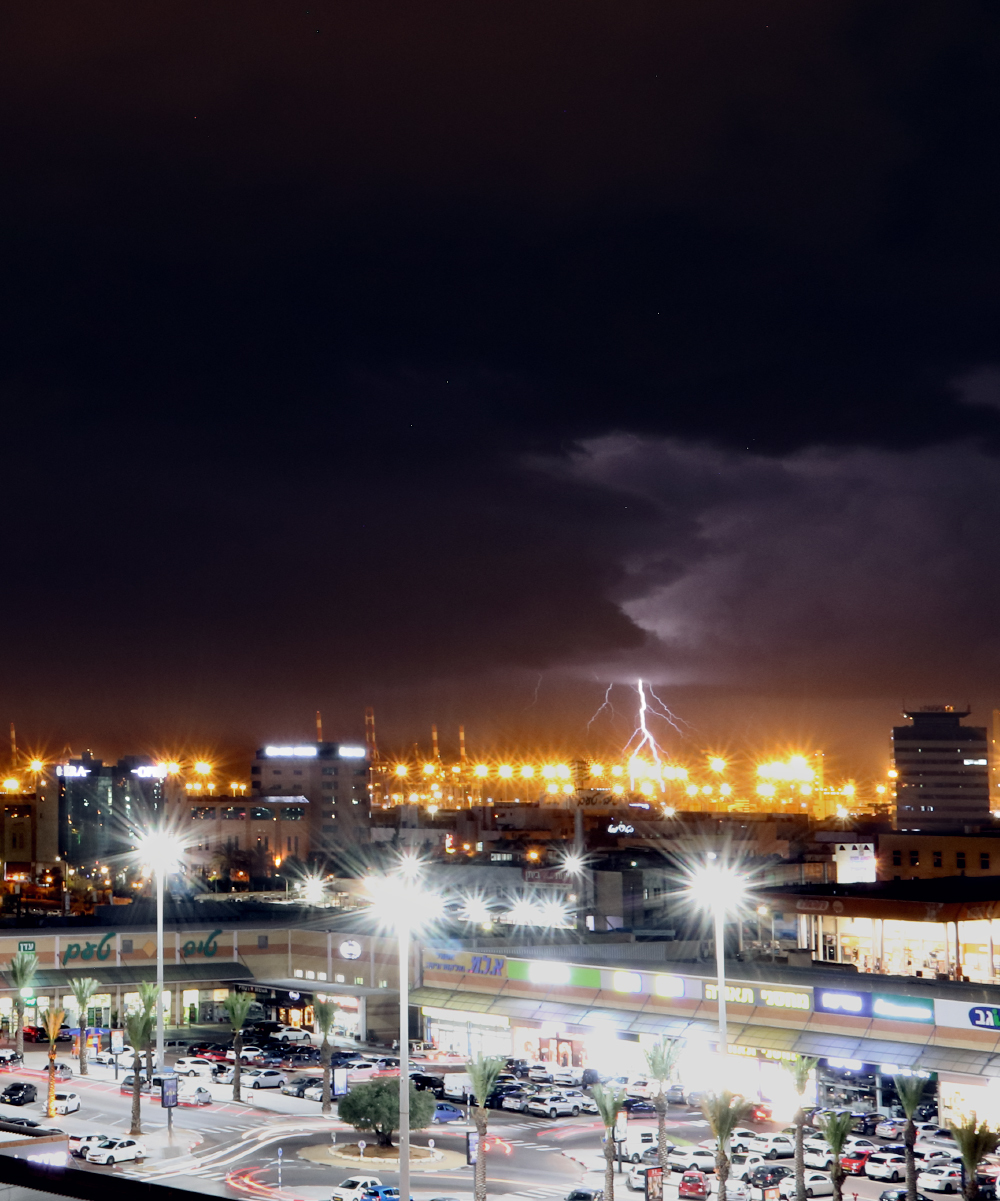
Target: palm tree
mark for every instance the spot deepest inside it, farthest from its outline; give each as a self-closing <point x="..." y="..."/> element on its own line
<point x="483" y="1073"/>
<point x="138" y="1027"/>
<point x="801" y="1068"/>
<point x="836" y="1129"/>
<point x="147" y="996"/>
<point x="724" y="1111"/>
<point x="83" y="989"/>
<point x="974" y="1140"/>
<point x="237" y="1006"/>
<point x="909" y="1090"/>
<point x="52" y="1020"/>
<point x="660" y="1063"/>
<point x="21" y="971"/>
<point x="324" y="1016"/>
<point x="608" y="1102"/>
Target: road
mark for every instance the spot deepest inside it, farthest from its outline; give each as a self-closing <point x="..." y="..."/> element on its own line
<point x="227" y="1149"/>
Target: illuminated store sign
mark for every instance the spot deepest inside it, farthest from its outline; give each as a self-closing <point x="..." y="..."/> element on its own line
<point x="351" y="752"/>
<point x="903" y="1009"/>
<point x="669" y="986"/>
<point x="542" y="972"/>
<point x="627" y="982"/>
<point x="291" y="752"/>
<point x="150" y="773"/>
<point x="782" y="999"/>
<point x="67" y="771"/>
<point x="735" y="994"/>
<point x="853" y="1003"/>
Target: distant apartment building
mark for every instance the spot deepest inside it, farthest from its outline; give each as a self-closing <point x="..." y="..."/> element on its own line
<point x="99" y="804"/>
<point x="942" y="766"/>
<point x="328" y="780"/>
<point x="922" y="856"/>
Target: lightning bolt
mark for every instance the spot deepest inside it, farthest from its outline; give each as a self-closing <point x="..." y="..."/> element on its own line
<point x="606" y="705"/>
<point x="665" y="713"/>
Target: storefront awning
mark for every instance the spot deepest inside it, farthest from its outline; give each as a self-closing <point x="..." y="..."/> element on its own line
<point x="766" y="1038"/>
<point x="219" y="971"/>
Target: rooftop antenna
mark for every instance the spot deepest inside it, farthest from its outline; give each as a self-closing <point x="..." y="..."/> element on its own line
<point x="434" y="744"/>
<point x="319" y="726"/>
<point x="461" y="744"/>
<point x="13" y="747"/>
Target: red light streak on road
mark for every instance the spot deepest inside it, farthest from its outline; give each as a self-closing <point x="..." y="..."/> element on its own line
<point x="494" y="1144"/>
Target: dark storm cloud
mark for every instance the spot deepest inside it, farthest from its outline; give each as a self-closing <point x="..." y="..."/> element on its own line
<point x="293" y="299"/>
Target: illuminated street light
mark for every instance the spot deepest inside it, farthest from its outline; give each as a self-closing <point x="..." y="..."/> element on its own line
<point x="597" y="769"/>
<point x="725" y="789"/>
<point x="717" y="764"/>
<point x="403" y="902"/>
<point x="692" y="790"/>
<point x="480" y="770"/>
<point x="568" y="789"/>
<point x="506" y="771"/>
<point x="429" y="769"/>
<point x="160" y="850"/>
<point x="11" y="784"/>
<point x="766" y="790"/>
<point x="527" y="772"/>
<point x="719" y="889"/>
<point x="37" y="765"/>
<point x="201" y="768"/>
<point x="400" y="769"/>
<point x="616" y="770"/>
<point x="617" y="789"/>
<point x="562" y="771"/>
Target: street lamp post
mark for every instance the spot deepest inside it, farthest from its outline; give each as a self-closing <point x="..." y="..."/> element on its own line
<point x="161" y="851"/>
<point x="718" y="888"/>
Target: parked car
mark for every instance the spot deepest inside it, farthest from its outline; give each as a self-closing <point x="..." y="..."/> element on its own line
<point x="127" y="1083"/>
<point x="354" y="1188"/>
<point x="884" y="1165"/>
<point x="62" y="1072"/>
<point x="67" y="1103"/>
<point x="687" y="1159"/>
<point x="584" y="1100"/>
<point x="296" y="1087"/>
<point x="194" y="1065"/>
<point x="928" y="1112"/>
<point x="946" y="1178"/>
<point x="517" y="1100"/>
<point x="890" y="1128"/>
<point x="773" y="1146"/>
<point x="636" y="1180"/>
<point x="19" y="1093"/>
<point x="247" y="1054"/>
<point x="424" y="1081"/>
<point x="551" y="1105"/>
<point x="693" y="1184"/>
<point x="10" y="1059"/>
<point x="292" y="1034"/>
<point x="743" y="1164"/>
<point x="638" y="1106"/>
<point x="651" y="1155"/>
<point x="576" y="1194"/>
<point x="191" y="1093"/>
<point x="770" y="1176"/>
<point x="637" y="1141"/>
<point x="568" y="1077"/>
<point x="818" y="1184"/>
<point x="263" y="1077"/>
<point x="302" y="1058"/>
<point x="897" y="1194"/>
<point x="676" y="1094"/>
<point x="639" y="1087"/>
<point x="80" y="1144"/>
<point x="108" y="1060"/>
<point x="444" y="1111"/>
<point x="853" y="1162"/>
<point x="518" y="1067"/>
<point x="116" y="1150"/>
<point x="540" y="1073"/>
<point x="739" y="1141"/>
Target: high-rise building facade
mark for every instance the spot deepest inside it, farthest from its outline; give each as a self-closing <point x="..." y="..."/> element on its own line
<point x="330" y="779"/>
<point x="99" y="804"/>
<point x="942" y="766"/>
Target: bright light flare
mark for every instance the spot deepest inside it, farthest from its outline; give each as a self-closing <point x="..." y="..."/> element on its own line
<point x="527" y="772"/>
<point x="573" y="863"/>
<point x="160" y="850"/>
<point x="201" y="768"/>
<point x="313" y="890"/>
<point x="506" y="771"/>
<point x="401" y="901"/>
<point x="37" y="765"/>
<point x="480" y="770"/>
<point x="475" y="909"/>
<point x="717" y="764"/>
<point x="717" y="887"/>
<point x="401" y="769"/>
<point x="11" y="785"/>
<point x="795" y="770"/>
<point x="429" y="769"/>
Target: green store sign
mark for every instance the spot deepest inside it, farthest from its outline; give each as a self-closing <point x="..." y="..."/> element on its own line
<point x="87" y="951"/>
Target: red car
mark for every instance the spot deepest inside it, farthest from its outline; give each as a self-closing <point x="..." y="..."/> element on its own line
<point x="760" y="1113"/>
<point x="854" y="1164"/>
<point x="693" y="1184"/>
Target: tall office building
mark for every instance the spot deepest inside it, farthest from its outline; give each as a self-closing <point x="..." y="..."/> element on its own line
<point x="100" y="802"/>
<point x="943" y="775"/>
<point x="331" y="779"/>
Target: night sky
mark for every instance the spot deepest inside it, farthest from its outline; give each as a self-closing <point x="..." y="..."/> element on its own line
<point x="461" y="358"/>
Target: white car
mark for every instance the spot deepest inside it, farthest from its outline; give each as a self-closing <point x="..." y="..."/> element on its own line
<point x="890" y="1128"/>
<point x="773" y="1146"/>
<point x="515" y="1102"/>
<point x="80" y="1144"/>
<point x="567" y="1077"/>
<point x="637" y="1177"/>
<point x="640" y="1087"/>
<point x="586" y="1104"/>
<point x="194" y="1065"/>
<point x="818" y="1184"/>
<point x="638" y="1141"/>
<point x="116" y="1150"/>
<point x="552" y="1105"/>
<point x="67" y="1103"/>
<point x="246" y="1054"/>
<point x="540" y="1073"/>
<point x="354" y="1188"/>
<point x="193" y="1094"/>
<point x="683" y="1159"/>
<point x="886" y="1165"/>
<point x="739" y="1141"/>
<point x="947" y="1178"/>
<point x="105" y="1057"/>
<point x="743" y="1164"/>
<point x="293" y="1035"/>
<point x="263" y="1077"/>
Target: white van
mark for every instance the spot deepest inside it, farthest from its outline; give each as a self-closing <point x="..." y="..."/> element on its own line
<point x="637" y="1141"/>
<point x="457" y="1086"/>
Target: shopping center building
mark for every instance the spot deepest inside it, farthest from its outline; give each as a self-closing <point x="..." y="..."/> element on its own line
<point x="285" y="966"/>
<point x="603" y="1006"/>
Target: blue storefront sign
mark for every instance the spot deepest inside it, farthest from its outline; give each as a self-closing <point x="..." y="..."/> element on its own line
<point x="890" y="1007"/>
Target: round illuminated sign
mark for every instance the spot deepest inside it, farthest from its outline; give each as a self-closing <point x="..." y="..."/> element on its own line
<point x="350" y="949"/>
<point x="293" y="996"/>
